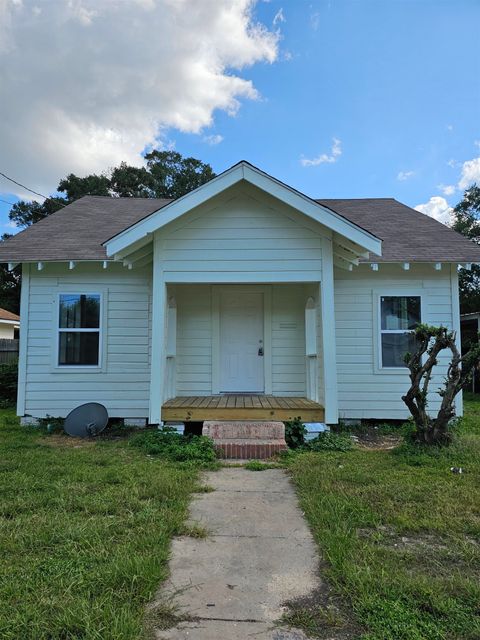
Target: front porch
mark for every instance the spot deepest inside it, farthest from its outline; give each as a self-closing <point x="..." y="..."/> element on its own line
<point x="244" y="407"/>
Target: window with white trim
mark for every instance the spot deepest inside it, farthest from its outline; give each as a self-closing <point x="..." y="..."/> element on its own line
<point x="399" y="315"/>
<point x="79" y="330"/>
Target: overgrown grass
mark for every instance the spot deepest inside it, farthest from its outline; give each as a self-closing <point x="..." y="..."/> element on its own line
<point x="401" y="534"/>
<point x="84" y="533"/>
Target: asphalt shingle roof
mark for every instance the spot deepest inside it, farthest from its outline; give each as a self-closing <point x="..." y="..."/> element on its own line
<point x="77" y="231"/>
<point x="8" y="315"/>
<point x="407" y="234"/>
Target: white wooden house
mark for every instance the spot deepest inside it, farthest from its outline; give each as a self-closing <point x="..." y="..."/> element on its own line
<point x="9" y="325"/>
<point x="242" y="299"/>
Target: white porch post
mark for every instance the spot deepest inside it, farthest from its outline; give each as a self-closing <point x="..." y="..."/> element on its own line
<point x="22" y="359"/>
<point x="456" y="326"/>
<point x="328" y="333"/>
<point x="159" y="323"/>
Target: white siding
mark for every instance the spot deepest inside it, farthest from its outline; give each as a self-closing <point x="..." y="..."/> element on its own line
<point x="364" y="390"/>
<point x="123" y="383"/>
<point x="7" y="331"/>
<point x="241" y="240"/>
<point x="195" y="339"/>
<point x="288" y="340"/>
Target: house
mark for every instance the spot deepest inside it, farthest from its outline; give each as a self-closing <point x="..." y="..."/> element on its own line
<point x="470" y="331"/>
<point x="9" y="325"/>
<point x="243" y="299"/>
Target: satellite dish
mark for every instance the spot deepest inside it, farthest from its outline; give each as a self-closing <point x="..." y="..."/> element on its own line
<point x="86" y="420"/>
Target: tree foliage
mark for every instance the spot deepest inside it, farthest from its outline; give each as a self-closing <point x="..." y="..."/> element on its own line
<point x="430" y="341"/>
<point x="467" y="222"/>
<point x="167" y="174"/>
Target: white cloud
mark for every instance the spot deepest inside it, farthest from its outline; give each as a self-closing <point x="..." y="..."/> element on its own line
<point x="476" y="143"/>
<point x="438" y="208"/>
<point x="88" y="83"/>
<point x="470" y="173"/>
<point x="335" y="153"/>
<point x="279" y="17"/>
<point x="213" y="139"/>
<point x="405" y="175"/>
<point x="452" y="163"/>
<point x="447" y="189"/>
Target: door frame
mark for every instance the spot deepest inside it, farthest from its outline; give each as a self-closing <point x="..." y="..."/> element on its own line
<point x="266" y="290"/>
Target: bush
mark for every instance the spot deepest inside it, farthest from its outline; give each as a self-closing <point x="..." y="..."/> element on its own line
<point x="8" y="381"/>
<point x="170" y="445"/>
<point x="295" y="433"/>
<point x="328" y="441"/>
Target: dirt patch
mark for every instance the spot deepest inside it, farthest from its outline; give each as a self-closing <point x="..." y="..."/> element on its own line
<point x="60" y="440"/>
<point x="377" y="441"/>
<point x="321" y="614"/>
<point x="424" y="542"/>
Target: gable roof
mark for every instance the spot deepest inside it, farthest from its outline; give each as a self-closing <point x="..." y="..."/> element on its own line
<point x="80" y="230"/>
<point x="244" y="172"/>
<point x="8" y="316"/>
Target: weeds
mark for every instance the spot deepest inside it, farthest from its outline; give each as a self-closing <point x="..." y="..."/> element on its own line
<point x="166" y="443"/>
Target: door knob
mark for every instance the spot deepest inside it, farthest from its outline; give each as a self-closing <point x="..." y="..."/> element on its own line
<point x="260" y="351"/>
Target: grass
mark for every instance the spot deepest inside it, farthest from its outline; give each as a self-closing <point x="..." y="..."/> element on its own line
<point x="84" y="533"/>
<point x="400" y="534"/>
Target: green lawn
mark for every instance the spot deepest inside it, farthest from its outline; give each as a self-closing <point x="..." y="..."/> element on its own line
<point x="401" y="536"/>
<point x="84" y="534"/>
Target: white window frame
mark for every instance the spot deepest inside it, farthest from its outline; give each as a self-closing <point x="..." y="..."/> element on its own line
<point x="378" y="295"/>
<point x="76" y="368"/>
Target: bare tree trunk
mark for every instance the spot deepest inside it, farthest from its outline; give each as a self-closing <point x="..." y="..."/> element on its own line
<point x="431" y="341"/>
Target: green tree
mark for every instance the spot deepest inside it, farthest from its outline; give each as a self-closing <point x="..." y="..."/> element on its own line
<point x="467" y="222"/>
<point x="167" y="174"/>
<point x="93" y="185"/>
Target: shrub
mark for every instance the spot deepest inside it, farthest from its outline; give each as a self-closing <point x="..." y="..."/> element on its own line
<point x="328" y="441"/>
<point x="170" y="445"/>
<point x="8" y="381"/>
<point x="295" y="433"/>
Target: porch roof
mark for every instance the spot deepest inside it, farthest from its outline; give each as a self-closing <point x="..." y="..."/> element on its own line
<point x="362" y="240"/>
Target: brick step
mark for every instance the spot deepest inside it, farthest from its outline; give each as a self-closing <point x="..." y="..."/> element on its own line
<point x="249" y="449"/>
<point x="221" y="430"/>
<point x="246" y="440"/>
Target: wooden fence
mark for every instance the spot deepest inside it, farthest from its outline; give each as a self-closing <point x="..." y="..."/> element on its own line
<point x="8" y="350"/>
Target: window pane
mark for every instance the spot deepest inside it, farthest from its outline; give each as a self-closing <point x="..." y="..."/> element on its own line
<point x="79" y="311"/>
<point x="77" y="348"/>
<point x="394" y="348"/>
<point x="400" y="312"/>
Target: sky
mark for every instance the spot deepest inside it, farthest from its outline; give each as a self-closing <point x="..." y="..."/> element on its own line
<point x="337" y="98"/>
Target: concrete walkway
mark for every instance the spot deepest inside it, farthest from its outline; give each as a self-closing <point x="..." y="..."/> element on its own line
<point x="259" y="554"/>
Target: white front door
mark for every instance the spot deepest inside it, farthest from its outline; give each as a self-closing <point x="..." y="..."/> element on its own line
<point x="241" y="342"/>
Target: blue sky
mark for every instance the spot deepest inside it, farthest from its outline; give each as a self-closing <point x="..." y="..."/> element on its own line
<point x="364" y="99"/>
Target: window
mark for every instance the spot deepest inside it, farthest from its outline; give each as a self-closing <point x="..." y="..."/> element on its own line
<point x="79" y="330"/>
<point x="398" y="316"/>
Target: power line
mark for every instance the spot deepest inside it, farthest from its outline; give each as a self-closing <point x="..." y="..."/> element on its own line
<point x="27" y="188"/>
<point x="7" y="202"/>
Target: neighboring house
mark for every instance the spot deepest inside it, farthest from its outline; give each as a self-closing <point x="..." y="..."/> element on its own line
<point x="244" y="298"/>
<point x="470" y="330"/>
<point x="9" y="325"/>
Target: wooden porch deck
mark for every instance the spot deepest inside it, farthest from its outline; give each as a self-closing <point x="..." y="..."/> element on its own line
<point x="241" y="407"/>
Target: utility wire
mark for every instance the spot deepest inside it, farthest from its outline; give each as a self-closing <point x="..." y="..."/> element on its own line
<point x="7" y="202"/>
<point x="28" y="189"/>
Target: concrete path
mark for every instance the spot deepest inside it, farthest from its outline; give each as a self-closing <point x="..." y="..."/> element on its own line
<point x="259" y="554"/>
